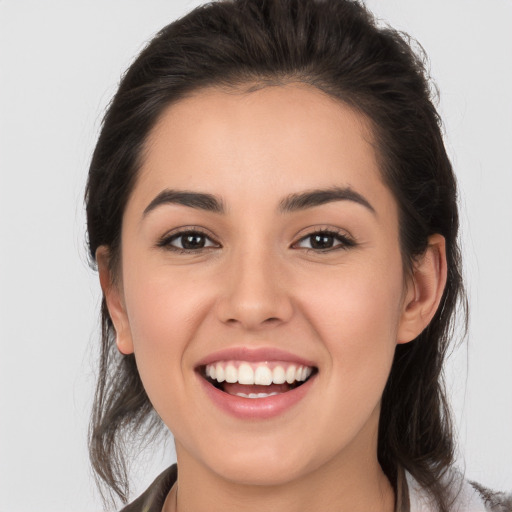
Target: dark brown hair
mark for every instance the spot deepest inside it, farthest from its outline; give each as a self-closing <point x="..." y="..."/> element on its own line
<point x="337" y="47"/>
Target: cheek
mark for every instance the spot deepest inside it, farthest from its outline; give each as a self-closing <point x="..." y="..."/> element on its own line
<point x="357" y="314"/>
<point x="165" y="309"/>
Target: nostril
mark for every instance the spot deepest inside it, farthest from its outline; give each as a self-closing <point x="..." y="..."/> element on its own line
<point x="247" y="323"/>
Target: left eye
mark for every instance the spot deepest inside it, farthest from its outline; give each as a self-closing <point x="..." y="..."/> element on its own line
<point x="188" y="241"/>
<point x="324" y="241"/>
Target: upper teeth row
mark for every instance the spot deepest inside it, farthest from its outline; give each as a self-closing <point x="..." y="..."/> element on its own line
<point x="260" y="374"/>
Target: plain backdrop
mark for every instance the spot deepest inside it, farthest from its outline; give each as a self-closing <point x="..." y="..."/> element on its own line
<point x="60" y="62"/>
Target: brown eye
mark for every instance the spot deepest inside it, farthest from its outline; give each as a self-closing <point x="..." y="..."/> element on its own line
<point x="325" y="241"/>
<point x="192" y="241"/>
<point x="322" y="241"/>
<point x="187" y="241"/>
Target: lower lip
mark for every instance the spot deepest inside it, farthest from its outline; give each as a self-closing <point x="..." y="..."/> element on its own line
<point x="256" y="408"/>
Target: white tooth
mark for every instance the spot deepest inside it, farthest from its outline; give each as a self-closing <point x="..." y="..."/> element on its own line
<point x="256" y="395"/>
<point x="278" y="375"/>
<point x="231" y="374"/>
<point x="290" y="374"/>
<point x="220" y="374"/>
<point x="245" y="374"/>
<point x="211" y="371"/>
<point x="263" y="376"/>
<point x="308" y="372"/>
<point x="303" y="373"/>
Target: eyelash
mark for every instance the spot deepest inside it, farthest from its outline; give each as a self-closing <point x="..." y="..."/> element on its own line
<point x="166" y="242"/>
<point x="345" y="241"/>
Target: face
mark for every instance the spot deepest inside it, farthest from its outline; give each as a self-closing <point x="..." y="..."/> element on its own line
<point x="260" y="248"/>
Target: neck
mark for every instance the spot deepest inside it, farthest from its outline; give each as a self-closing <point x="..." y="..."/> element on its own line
<point x="352" y="481"/>
<point x="374" y="492"/>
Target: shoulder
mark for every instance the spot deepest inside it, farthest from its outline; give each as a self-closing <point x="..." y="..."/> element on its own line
<point x="493" y="501"/>
<point x="152" y="500"/>
<point x="465" y="496"/>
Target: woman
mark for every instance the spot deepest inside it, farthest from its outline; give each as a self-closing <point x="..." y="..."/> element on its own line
<point x="274" y="220"/>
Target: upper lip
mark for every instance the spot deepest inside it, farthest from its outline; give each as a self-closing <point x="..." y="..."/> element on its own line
<point x="254" y="355"/>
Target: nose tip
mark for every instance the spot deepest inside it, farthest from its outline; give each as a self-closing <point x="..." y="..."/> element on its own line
<point x="255" y="297"/>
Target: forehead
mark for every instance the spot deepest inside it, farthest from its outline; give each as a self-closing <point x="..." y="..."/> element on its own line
<point x="273" y="140"/>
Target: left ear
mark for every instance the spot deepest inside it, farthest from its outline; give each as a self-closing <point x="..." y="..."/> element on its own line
<point x="424" y="289"/>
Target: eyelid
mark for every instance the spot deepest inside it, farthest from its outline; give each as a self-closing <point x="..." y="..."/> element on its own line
<point x="345" y="238"/>
<point x="165" y="240"/>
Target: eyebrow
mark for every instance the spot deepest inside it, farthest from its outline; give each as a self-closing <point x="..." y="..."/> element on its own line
<point x="317" y="197"/>
<point x="291" y="203"/>
<point x="199" y="200"/>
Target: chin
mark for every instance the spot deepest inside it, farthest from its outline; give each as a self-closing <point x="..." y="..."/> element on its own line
<point x="258" y="471"/>
<point x="267" y="460"/>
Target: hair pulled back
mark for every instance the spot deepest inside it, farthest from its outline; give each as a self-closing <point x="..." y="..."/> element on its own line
<point x="337" y="47"/>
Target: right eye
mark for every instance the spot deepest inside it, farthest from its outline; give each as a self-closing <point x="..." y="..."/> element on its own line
<point x="189" y="241"/>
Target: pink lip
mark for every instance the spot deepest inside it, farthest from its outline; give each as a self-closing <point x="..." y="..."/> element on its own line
<point x="256" y="408"/>
<point x="253" y="355"/>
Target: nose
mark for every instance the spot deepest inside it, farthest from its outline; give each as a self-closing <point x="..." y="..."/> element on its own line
<point x="254" y="294"/>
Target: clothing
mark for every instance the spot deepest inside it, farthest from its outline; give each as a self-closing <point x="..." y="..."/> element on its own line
<point x="467" y="496"/>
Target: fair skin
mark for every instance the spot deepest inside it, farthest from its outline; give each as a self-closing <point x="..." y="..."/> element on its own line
<point x="260" y="281"/>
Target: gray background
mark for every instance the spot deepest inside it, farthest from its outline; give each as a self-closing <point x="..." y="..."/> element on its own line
<point x="60" y="62"/>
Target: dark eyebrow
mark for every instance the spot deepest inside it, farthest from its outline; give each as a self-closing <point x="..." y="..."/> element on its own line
<point x="318" y="197"/>
<point x="198" y="200"/>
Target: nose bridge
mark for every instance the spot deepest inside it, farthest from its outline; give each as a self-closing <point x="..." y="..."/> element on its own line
<point x="254" y="291"/>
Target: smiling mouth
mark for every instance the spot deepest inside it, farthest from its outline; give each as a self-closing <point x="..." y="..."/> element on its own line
<point x="256" y="380"/>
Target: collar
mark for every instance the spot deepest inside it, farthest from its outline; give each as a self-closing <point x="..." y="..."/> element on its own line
<point x="462" y="495"/>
